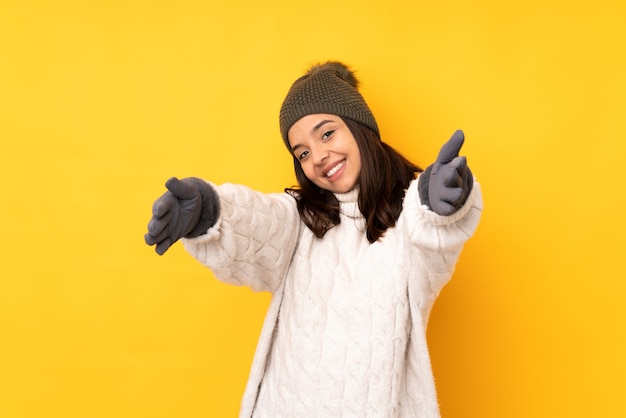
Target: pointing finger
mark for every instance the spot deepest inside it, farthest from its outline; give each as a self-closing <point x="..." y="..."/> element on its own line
<point x="157" y="225"/>
<point x="162" y="205"/>
<point x="451" y="149"/>
<point x="455" y="171"/>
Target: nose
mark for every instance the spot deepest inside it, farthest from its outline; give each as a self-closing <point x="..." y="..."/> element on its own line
<point x="320" y="154"/>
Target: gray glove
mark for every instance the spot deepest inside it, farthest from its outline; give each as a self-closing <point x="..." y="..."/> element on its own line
<point x="188" y="209"/>
<point x="445" y="185"/>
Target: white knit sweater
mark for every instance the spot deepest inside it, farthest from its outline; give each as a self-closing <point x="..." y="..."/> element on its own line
<point x="345" y="333"/>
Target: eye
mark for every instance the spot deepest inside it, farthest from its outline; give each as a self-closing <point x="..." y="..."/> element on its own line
<point x="303" y="155"/>
<point x="327" y="135"/>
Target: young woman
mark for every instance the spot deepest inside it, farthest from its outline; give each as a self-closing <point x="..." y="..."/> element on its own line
<point x="354" y="256"/>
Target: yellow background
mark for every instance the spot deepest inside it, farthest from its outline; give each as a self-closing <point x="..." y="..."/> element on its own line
<point x="102" y="101"/>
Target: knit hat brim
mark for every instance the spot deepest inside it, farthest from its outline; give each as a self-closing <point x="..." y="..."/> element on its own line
<point x="330" y="88"/>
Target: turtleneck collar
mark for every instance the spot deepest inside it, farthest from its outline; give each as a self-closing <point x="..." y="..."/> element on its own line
<point x="351" y="196"/>
<point x="349" y="203"/>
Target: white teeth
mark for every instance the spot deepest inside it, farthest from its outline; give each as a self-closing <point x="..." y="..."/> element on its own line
<point x="336" y="168"/>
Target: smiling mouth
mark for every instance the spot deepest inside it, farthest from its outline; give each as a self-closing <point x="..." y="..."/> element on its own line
<point x="335" y="169"/>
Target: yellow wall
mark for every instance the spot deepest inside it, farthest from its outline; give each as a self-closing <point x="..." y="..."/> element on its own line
<point x="102" y="101"/>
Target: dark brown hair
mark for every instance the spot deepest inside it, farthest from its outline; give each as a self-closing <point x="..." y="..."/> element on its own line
<point x="385" y="176"/>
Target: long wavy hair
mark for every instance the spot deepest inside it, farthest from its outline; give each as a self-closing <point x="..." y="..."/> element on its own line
<point x="385" y="176"/>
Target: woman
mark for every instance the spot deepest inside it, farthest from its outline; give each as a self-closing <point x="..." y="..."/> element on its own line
<point x="354" y="256"/>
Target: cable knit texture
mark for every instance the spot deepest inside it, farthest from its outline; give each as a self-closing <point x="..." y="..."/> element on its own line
<point x="345" y="333"/>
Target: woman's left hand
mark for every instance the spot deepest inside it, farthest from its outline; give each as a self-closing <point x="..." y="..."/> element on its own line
<point x="449" y="178"/>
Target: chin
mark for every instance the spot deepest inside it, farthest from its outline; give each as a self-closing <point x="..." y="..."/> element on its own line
<point x="344" y="189"/>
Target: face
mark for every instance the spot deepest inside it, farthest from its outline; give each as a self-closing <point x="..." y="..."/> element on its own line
<point x="327" y="152"/>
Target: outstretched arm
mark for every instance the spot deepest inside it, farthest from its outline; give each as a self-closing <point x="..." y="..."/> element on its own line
<point x="253" y="240"/>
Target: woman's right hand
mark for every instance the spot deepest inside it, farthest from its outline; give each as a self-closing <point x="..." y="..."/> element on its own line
<point x="175" y="214"/>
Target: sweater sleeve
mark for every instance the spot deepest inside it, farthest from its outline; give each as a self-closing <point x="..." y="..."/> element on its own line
<point x="253" y="240"/>
<point x="438" y="241"/>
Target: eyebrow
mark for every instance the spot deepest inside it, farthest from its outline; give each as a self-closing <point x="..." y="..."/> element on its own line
<point x="315" y="128"/>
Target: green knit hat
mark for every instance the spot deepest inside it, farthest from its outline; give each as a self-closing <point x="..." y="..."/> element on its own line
<point x="330" y="87"/>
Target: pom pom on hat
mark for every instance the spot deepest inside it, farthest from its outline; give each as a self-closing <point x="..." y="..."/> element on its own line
<point x="341" y="70"/>
<point x="329" y="87"/>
